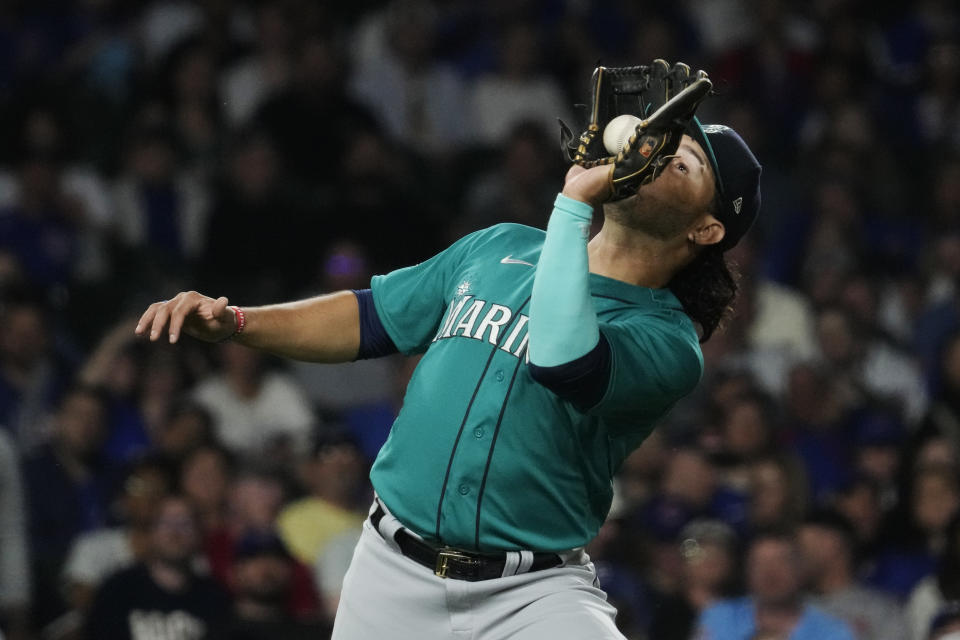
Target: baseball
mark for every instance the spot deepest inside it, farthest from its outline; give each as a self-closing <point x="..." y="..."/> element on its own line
<point x="618" y="131"/>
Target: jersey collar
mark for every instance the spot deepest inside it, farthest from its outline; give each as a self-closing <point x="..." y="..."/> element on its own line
<point x="642" y="296"/>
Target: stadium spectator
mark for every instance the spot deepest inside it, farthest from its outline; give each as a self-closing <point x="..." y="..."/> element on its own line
<point x="778" y="493"/>
<point x="334" y="477"/>
<point x="188" y="427"/>
<point x="710" y="573"/>
<point x="419" y="100"/>
<point x="518" y="187"/>
<point x="69" y="487"/>
<point x="160" y="208"/>
<point x="190" y="92"/>
<point x="97" y="554"/>
<point x="262" y="578"/>
<point x="314" y="111"/>
<point x="774" y="606"/>
<point x="828" y="544"/>
<point x="255" y="77"/>
<point x="859" y="502"/>
<point x="690" y="488"/>
<point x="258" y="413"/>
<point x="747" y="432"/>
<point x="879" y="437"/>
<point x="517" y="91"/>
<point x="815" y="415"/>
<point x="115" y="365"/>
<point x="382" y="185"/>
<point x="162" y="596"/>
<point x="780" y="323"/>
<point x="869" y="369"/>
<point x="918" y="530"/>
<point x="41" y="227"/>
<point x="204" y="480"/>
<point x="32" y="375"/>
<point x="938" y="589"/>
<point x="254" y="500"/>
<point x="250" y="190"/>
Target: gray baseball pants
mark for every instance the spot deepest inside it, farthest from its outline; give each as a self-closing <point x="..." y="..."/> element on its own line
<point x="386" y="595"/>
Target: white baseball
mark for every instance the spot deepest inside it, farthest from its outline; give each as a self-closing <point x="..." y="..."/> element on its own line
<point x="618" y="131"/>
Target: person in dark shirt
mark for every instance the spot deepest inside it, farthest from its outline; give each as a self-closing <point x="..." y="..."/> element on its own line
<point x="262" y="576"/>
<point x="162" y="598"/>
<point x="68" y="490"/>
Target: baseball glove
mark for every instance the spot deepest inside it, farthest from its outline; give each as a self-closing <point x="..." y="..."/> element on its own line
<point x="665" y="100"/>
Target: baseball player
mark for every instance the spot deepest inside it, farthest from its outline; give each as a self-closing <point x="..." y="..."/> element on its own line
<point x="546" y="360"/>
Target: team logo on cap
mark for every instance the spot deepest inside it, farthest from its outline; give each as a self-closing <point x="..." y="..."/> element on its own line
<point x="737" y="205"/>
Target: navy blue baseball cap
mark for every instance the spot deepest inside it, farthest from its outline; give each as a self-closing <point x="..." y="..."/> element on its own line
<point x="738" y="178"/>
<point x="255" y="544"/>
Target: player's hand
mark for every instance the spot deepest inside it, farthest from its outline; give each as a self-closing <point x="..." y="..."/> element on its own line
<point x="588" y="185"/>
<point x="190" y="312"/>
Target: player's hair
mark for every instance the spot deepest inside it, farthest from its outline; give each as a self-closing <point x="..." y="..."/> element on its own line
<point x="706" y="288"/>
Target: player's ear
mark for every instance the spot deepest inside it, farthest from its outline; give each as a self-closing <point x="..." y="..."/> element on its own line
<point x="708" y="230"/>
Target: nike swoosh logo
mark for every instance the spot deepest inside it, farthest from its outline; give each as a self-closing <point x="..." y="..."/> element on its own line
<point x="511" y="260"/>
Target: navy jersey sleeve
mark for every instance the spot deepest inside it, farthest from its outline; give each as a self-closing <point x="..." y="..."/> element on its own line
<point x="582" y="381"/>
<point x="655" y="360"/>
<point x="374" y="339"/>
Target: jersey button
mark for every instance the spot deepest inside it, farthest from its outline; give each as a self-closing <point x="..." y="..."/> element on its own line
<point x="499" y="375"/>
<point x="464" y="489"/>
<point x="478" y="433"/>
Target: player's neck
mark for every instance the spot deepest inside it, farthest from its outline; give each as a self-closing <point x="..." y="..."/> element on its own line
<point x="627" y="255"/>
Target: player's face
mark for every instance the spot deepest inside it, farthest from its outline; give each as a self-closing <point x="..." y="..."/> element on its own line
<point x="680" y="196"/>
<point x="689" y="174"/>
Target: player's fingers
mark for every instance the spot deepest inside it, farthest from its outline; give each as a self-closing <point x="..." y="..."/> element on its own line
<point x="160" y="316"/>
<point x="146" y="320"/>
<point x="182" y="307"/>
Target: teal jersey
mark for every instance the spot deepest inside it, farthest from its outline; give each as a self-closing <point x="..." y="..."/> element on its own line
<point x="481" y="456"/>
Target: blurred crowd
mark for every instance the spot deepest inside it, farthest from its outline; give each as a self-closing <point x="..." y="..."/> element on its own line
<point x="272" y="149"/>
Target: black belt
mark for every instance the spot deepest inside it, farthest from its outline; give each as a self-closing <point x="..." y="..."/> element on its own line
<point x="448" y="562"/>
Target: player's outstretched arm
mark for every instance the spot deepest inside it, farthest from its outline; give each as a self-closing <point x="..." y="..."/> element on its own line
<point x="568" y="353"/>
<point x="321" y="329"/>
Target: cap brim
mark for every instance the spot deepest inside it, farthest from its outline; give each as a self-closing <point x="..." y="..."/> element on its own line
<point x="695" y="131"/>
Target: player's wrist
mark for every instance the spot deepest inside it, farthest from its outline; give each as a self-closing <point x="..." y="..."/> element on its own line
<point x="573" y="208"/>
<point x="239" y="323"/>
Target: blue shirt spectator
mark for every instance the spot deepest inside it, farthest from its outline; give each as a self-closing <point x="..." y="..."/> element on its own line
<point x="774" y="606"/>
<point x="736" y="620"/>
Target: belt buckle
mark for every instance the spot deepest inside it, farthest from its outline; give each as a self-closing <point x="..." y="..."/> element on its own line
<point x="445" y="555"/>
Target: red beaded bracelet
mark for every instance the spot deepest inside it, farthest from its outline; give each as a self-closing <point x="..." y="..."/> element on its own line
<point x="241" y="318"/>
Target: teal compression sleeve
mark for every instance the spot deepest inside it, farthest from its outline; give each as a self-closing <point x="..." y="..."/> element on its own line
<point x="563" y="324"/>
